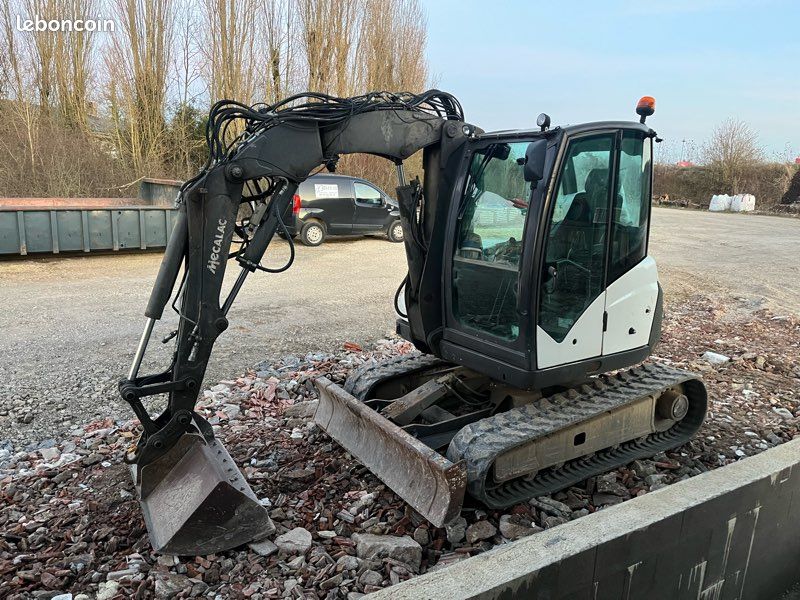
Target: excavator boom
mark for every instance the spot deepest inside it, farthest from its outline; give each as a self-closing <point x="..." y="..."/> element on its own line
<point x="277" y="147"/>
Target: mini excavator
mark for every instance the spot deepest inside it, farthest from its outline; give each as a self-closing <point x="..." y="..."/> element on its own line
<point x="530" y="297"/>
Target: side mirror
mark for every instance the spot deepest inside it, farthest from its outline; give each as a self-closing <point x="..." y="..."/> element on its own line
<point x="533" y="170"/>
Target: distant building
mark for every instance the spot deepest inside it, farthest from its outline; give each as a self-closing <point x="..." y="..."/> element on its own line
<point x="684" y="163"/>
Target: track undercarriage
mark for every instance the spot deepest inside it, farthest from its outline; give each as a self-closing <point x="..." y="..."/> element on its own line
<point x="432" y="430"/>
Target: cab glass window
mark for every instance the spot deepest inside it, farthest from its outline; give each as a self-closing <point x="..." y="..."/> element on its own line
<point x="366" y="194"/>
<point x="488" y="247"/>
<point x="576" y="242"/>
<point x="631" y="205"/>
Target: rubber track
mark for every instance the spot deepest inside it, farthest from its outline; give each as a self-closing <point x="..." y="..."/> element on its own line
<point x="364" y="378"/>
<point x="480" y="443"/>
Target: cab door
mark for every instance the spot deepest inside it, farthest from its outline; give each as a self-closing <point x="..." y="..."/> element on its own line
<point x="486" y="268"/>
<point x="572" y="290"/>
<point x="632" y="279"/>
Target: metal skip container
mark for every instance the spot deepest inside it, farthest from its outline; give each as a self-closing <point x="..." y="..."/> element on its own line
<point x="31" y="226"/>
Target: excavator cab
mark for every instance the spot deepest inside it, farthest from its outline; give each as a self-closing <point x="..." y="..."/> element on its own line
<point x="528" y="282"/>
<point x="529" y="265"/>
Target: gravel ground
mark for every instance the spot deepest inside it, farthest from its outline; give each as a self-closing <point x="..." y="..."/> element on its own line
<point x="729" y="255"/>
<point x="70" y="325"/>
<point x="69" y="521"/>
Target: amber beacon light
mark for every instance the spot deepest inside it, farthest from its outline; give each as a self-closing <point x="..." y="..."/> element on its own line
<point x="645" y="107"/>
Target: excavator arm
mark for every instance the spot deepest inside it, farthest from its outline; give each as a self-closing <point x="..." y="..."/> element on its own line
<point x="277" y="147"/>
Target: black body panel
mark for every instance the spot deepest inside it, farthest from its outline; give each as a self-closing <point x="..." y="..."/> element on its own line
<point x="540" y="378"/>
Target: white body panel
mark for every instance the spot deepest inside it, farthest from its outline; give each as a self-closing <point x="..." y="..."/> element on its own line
<point x="584" y="340"/>
<point x="631" y="304"/>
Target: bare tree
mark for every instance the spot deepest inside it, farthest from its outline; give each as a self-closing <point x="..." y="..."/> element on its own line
<point x="390" y="55"/>
<point x="375" y="48"/>
<point x="328" y="32"/>
<point x="19" y="84"/>
<point x="49" y="69"/>
<point x="73" y="66"/>
<point x="45" y="147"/>
<point x="391" y="51"/>
<point x="732" y="149"/>
<point x="233" y="49"/>
<point x="279" y="17"/>
<point x="43" y="50"/>
<point x="411" y="39"/>
<point x="138" y="62"/>
<point x="165" y="62"/>
<point x="184" y="143"/>
<point x="186" y="53"/>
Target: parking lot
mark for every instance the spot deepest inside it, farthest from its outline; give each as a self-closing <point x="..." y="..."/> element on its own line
<point x="71" y="324"/>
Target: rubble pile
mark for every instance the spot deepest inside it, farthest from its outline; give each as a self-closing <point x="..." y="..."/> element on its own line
<point x="70" y="526"/>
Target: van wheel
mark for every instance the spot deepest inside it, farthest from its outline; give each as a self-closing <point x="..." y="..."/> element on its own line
<point x="395" y="231"/>
<point x="312" y="233"/>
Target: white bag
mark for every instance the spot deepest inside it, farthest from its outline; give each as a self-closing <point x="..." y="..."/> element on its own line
<point x="743" y="203"/>
<point x="719" y="202"/>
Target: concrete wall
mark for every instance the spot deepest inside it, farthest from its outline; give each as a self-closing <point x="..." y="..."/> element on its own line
<point x="730" y="533"/>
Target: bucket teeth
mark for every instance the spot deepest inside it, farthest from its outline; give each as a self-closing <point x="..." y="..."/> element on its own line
<point x="195" y="500"/>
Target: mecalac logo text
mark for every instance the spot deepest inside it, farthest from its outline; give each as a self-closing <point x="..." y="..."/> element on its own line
<point x="213" y="261"/>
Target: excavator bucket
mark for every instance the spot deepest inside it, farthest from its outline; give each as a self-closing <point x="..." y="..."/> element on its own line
<point x="425" y="479"/>
<point x="195" y="500"/>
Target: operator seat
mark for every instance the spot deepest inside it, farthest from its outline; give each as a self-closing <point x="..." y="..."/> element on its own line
<point x="586" y="208"/>
<point x="577" y="227"/>
<point x="577" y="248"/>
<point x="596" y="191"/>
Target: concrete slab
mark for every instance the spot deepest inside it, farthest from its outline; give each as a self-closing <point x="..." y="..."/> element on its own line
<point x="730" y="533"/>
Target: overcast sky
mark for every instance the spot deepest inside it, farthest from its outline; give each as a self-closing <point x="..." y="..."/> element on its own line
<point x="703" y="61"/>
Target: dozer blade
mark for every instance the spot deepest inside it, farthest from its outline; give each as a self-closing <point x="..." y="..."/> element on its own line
<point x="195" y="501"/>
<point x="425" y="479"/>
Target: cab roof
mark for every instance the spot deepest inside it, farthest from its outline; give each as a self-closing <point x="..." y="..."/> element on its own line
<point x="570" y="129"/>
